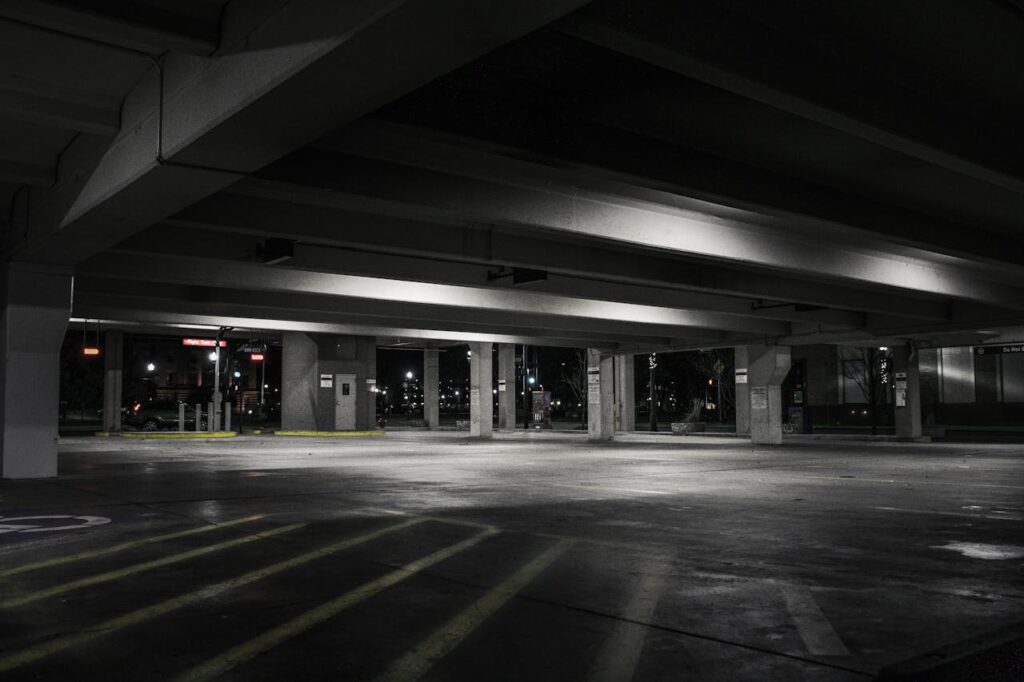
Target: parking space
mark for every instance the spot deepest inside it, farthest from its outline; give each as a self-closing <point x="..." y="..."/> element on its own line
<point x="431" y="556"/>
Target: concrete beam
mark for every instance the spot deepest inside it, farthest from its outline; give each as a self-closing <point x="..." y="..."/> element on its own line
<point x="788" y="75"/>
<point x="275" y="209"/>
<point x="222" y="274"/>
<point x="201" y="123"/>
<point x="25" y="173"/>
<point x="60" y="112"/>
<point x="131" y="25"/>
<point x="524" y="194"/>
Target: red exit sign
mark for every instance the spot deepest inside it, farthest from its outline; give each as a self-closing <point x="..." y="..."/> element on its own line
<point x="203" y="343"/>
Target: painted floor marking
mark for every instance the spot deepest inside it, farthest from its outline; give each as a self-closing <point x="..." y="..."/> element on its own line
<point x="123" y="546"/>
<point x="814" y="628"/>
<point x="621" y="652"/>
<point x="215" y="667"/>
<point x="424" y="655"/>
<point x="116" y="574"/>
<point x="16" y="524"/>
<point x="141" y="615"/>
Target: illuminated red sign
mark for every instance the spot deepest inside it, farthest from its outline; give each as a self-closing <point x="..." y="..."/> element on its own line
<point x="257" y="357"/>
<point x="90" y="351"/>
<point x="203" y="343"/>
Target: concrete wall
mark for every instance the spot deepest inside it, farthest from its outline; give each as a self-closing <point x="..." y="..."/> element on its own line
<point x="307" y="406"/>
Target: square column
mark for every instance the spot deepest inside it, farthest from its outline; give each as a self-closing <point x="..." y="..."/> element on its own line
<point x="431" y="383"/>
<point x="625" y="394"/>
<point x="36" y="304"/>
<point x="506" y="386"/>
<point x="760" y="411"/>
<point x="113" y="380"/>
<point x="600" y="396"/>
<point x="907" y="382"/>
<point x="481" y="400"/>
<point x="328" y="382"/>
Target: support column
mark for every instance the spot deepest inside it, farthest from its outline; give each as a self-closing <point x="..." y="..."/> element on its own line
<point x="481" y="400"/>
<point x="907" y="381"/>
<point x="742" y="395"/>
<point x="431" y="384"/>
<point x="506" y="386"/>
<point x="625" y="394"/>
<point x="36" y="304"/>
<point x="600" y="396"/>
<point x="298" y="382"/>
<point x="113" y="380"/>
<point x="767" y="367"/>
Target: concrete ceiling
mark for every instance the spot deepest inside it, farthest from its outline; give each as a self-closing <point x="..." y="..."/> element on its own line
<point x="685" y="174"/>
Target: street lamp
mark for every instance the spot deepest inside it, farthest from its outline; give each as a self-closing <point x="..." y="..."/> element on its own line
<point x="150" y="367"/>
<point x="408" y="375"/>
<point x="213" y="356"/>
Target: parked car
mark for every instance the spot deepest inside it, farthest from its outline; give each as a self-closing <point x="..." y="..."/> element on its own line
<point x="154" y="415"/>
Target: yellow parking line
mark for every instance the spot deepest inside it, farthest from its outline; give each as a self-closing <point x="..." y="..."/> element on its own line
<point x="271" y="638"/>
<point x="124" y="545"/>
<point x="173" y="604"/>
<point x="621" y="652"/>
<point x="424" y="655"/>
<point x="138" y="568"/>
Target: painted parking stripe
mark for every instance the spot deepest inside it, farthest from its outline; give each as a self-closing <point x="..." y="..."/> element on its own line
<point x="231" y="658"/>
<point x="123" y="546"/>
<point x="99" y="578"/>
<point x="141" y="615"/>
<point x="814" y="628"/>
<point x="621" y="652"/>
<point x="424" y="655"/>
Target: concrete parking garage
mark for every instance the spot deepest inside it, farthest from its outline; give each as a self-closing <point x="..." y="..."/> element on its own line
<point x="429" y="555"/>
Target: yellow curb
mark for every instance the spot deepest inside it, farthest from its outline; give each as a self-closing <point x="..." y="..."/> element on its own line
<point x="329" y="434"/>
<point x="179" y="434"/>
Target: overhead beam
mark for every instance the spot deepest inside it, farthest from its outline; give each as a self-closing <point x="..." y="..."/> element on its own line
<point x="200" y="124"/>
<point x="313" y="307"/>
<point x="136" y="26"/>
<point x="60" y="112"/>
<point x="457" y="269"/>
<point x="224" y="274"/>
<point x="304" y="214"/>
<point x="23" y="172"/>
<point x="527" y="194"/>
<point x="762" y="65"/>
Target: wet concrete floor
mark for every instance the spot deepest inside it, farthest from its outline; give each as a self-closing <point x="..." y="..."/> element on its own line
<point x="531" y="557"/>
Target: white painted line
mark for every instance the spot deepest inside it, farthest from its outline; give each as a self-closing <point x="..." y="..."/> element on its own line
<point x="621" y="652"/>
<point x="1004" y="516"/>
<point x="814" y="628"/>
<point x="601" y="488"/>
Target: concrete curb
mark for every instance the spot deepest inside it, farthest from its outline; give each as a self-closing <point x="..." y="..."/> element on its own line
<point x="330" y="434"/>
<point x="173" y="435"/>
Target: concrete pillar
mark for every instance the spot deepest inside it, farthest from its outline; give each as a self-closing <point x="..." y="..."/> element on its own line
<point x="481" y="400"/>
<point x="907" y="382"/>
<point x="36" y="304"/>
<point x="113" y="380"/>
<point x="766" y="368"/>
<point x="506" y="386"/>
<point x="298" y="382"/>
<point x="625" y="394"/>
<point x="600" y="396"/>
<point x="431" y="385"/>
<point x="742" y="392"/>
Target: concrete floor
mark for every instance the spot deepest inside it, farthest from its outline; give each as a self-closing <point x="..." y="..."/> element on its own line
<point x="532" y="557"/>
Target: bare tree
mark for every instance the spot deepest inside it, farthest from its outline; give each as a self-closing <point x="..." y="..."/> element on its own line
<point x="868" y="368"/>
<point x="574" y="375"/>
<point x="720" y="364"/>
